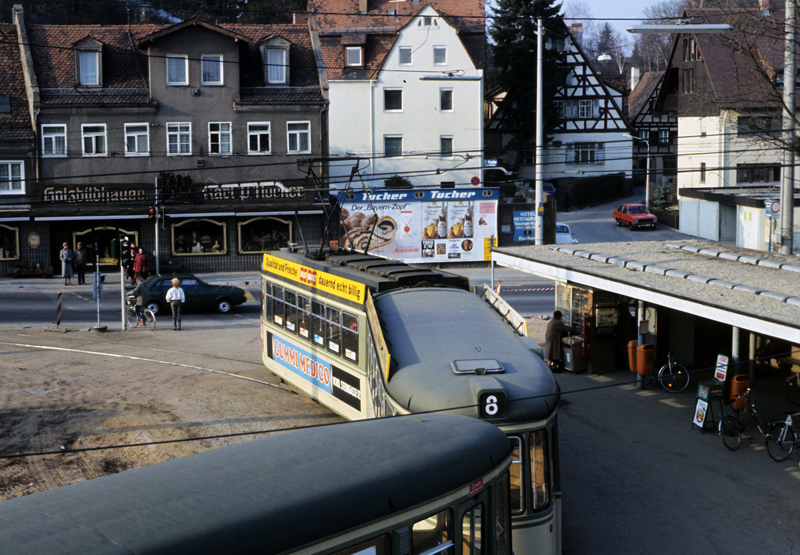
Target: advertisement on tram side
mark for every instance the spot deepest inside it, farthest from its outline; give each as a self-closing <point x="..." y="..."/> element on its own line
<point x="443" y="225"/>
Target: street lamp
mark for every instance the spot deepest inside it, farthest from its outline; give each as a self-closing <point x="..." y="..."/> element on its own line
<point x="647" y="171"/>
<point x="680" y="28"/>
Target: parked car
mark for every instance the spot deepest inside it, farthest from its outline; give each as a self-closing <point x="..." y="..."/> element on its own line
<point x="199" y="294"/>
<point x="635" y="216"/>
<point x="564" y="235"/>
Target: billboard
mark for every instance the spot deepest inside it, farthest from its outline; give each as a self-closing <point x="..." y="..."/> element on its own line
<point x="440" y="225"/>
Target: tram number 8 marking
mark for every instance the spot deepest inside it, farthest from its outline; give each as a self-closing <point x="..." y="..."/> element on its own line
<point x="492" y="405"/>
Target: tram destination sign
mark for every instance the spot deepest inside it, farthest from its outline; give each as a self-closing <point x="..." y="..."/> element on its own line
<point x="329" y="283"/>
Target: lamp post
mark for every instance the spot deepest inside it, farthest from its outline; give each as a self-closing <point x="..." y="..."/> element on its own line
<point x="538" y="231"/>
<point x="647" y="171"/>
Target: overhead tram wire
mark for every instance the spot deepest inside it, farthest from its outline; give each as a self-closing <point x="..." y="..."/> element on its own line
<point x="63" y="450"/>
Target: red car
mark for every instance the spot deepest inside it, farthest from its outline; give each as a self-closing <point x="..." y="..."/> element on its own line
<point x="635" y="216"/>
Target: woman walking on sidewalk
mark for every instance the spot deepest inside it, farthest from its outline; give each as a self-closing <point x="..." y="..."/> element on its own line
<point x="176" y="298"/>
<point x="66" y="264"/>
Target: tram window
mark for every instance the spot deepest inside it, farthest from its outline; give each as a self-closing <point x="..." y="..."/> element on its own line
<point x="375" y="546"/>
<point x="540" y="469"/>
<point x="472" y="531"/>
<point x="291" y="310"/>
<point x="334" y="330"/>
<point x="277" y="305"/>
<point x="517" y="497"/>
<point x="503" y="523"/>
<point x="433" y="534"/>
<point x="303" y="315"/>
<point x="350" y="336"/>
<point x="268" y="302"/>
<point x="318" y="322"/>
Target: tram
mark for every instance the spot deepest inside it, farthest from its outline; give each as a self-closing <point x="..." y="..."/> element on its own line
<point x="417" y="485"/>
<point x="370" y="337"/>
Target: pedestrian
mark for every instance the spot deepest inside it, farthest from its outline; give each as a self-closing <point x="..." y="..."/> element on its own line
<point x="129" y="272"/>
<point x="142" y="298"/>
<point x="79" y="260"/>
<point x="66" y="264"/>
<point x="552" y="342"/>
<point x="140" y="265"/>
<point x="176" y="298"/>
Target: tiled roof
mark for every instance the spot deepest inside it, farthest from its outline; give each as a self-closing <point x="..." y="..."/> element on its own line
<point x="638" y="98"/>
<point x="376" y="49"/>
<point x="125" y="72"/>
<point x="14" y="126"/>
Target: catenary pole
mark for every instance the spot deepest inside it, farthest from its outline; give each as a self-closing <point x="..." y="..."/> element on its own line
<point x="538" y="236"/>
<point x="787" y="171"/>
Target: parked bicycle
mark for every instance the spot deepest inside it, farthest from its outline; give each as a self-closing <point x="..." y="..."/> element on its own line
<point x="782" y="438"/>
<point x="733" y="426"/>
<point x="133" y="319"/>
<point x="673" y="376"/>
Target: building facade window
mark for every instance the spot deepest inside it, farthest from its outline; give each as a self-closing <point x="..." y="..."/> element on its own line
<point x="88" y="68"/>
<point x="11" y="177"/>
<point x="354" y="56"/>
<point x="93" y="137"/>
<point x="277" y="60"/>
<point x="392" y="146"/>
<point x="690" y="51"/>
<point x="298" y="136"/>
<point x="54" y="140"/>
<point x="445" y="100"/>
<point x="663" y="136"/>
<point x="439" y="55"/>
<point x="393" y="100"/>
<point x="258" y="138"/>
<point x="584" y="108"/>
<point x="752" y="126"/>
<point x="405" y="55"/>
<point x="757" y="173"/>
<point x="137" y="139"/>
<point x="702" y="172"/>
<point x="688" y="81"/>
<point x="211" y="69"/>
<point x="219" y="138"/>
<point x="446" y="147"/>
<point x="177" y="70"/>
<point x="179" y="139"/>
<point x="585" y="153"/>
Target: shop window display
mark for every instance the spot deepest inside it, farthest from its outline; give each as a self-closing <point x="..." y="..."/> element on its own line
<point x="199" y="236"/>
<point x="264" y="234"/>
<point x="9" y="242"/>
<point x="102" y="236"/>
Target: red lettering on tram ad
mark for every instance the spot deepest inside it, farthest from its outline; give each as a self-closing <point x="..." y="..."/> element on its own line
<point x="475" y="487"/>
<point x="308" y="276"/>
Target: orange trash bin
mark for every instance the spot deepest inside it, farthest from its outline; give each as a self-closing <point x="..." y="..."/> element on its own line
<point x="632" y="354"/>
<point x="645" y="357"/>
<point x="740" y="383"/>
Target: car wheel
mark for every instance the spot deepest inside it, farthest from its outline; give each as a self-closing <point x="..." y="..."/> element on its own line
<point x="153" y="306"/>
<point x="224" y="306"/>
<point x="616" y="222"/>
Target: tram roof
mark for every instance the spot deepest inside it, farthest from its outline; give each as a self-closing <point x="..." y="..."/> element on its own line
<point x="268" y="495"/>
<point x="429" y="328"/>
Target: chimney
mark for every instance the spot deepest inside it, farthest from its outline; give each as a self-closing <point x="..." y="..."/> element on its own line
<point x="576" y="30"/>
<point x="634" y="77"/>
<point x="362" y="6"/>
<point x="763" y="5"/>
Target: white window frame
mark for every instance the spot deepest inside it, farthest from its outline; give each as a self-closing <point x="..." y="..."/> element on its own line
<point x="136" y="135"/>
<point x="442" y="140"/>
<point x="595" y="153"/>
<point x="216" y="138"/>
<point x="283" y="78"/>
<point x="178" y="133"/>
<point x="441" y="104"/>
<point x="298" y="133"/>
<point x="585" y="109"/>
<point x="212" y="58"/>
<point x="52" y="136"/>
<point x="400" y="51"/>
<point x="440" y="49"/>
<point x="10" y="182"/>
<point x="259" y="133"/>
<point x="93" y="136"/>
<point x="392" y="89"/>
<point x="80" y="58"/>
<point x="185" y="59"/>
<point x="385" y="152"/>
<point x="354" y="63"/>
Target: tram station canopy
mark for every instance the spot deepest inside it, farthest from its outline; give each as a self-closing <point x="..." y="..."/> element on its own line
<point x="752" y="290"/>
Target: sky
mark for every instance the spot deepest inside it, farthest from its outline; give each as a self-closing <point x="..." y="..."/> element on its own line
<point x="620" y="14"/>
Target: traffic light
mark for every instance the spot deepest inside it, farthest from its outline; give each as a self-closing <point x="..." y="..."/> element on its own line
<point x="153" y="214"/>
<point x="125" y="252"/>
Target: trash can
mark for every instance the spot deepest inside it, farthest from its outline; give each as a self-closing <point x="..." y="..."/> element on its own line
<point x="740" y="383"/>
<point x="571" y="351"/>
<point x="645" y="357"/>
<point x="632" y="354"/>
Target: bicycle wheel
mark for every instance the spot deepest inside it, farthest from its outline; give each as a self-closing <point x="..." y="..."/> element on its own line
<point x="130" y="316"/>
<point x="792" y="389"/>
<point x="780" y="441"/>
<point x="149" y="320"/>
<point x="674" y="377"/>
<point x="730" y="430"/>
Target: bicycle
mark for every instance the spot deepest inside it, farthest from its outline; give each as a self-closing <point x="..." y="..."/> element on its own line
<point x="782" y="438"/>
<point x="733" y="428"/>
<point x="133" y="319"/>
<point x="673" y="376"/>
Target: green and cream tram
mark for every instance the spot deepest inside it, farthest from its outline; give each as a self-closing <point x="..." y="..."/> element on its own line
<point x="370" y="337"/>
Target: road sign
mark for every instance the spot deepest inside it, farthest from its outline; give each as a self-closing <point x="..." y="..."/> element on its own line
<point x="475" y="180"/>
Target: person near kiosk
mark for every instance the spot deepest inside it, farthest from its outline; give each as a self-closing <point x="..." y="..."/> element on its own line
<point x="552" y="342"/>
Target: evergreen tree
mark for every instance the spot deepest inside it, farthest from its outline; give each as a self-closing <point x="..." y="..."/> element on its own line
<point x="513" y="51"/>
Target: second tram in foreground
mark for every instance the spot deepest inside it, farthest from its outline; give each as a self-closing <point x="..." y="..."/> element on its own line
<point x="433" y="484"/>
<point x="369" y="337"/>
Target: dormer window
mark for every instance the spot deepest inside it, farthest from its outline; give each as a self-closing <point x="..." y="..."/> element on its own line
<point x="88" y="63"/>
<point x="275" y="55"/>
<point x="428" y="21"/>
<point x="354" y="56"/>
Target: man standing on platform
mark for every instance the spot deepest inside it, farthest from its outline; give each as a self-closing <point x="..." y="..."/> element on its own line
<point x="79" y="259"/>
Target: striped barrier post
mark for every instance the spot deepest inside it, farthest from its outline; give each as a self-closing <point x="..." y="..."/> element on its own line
<point x="58" y="310"/>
